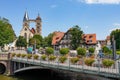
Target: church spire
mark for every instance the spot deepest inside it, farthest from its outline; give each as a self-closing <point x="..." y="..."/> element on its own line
<point x="26" y="18"/>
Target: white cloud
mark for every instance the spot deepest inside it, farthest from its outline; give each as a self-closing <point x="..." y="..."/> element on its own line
<point x="116" y="26"/>
<point x="53" y="6"/>
<point x="100" y="1"/>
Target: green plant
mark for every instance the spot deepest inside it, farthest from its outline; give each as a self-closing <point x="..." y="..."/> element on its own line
<point x="18" y="55"/>
<point x="49" y="50"/>
<point x="52" y="57"/>
<point x="118" y="52"/>
<point x="44" y="57"/>
<point x="23" y="55"/>
<point x="89" y="61"/>
<point x="74" y="60"/>
<point x="81" y="51"/>
<point x="107" y="62"/>
<point x="91" y="50"/>
<point x="13" y="54"/>
<point x="29" y="56"/>
<point x="36" y="56"/>
<point x="62" y="59"/>
<point x="64" y="51"/>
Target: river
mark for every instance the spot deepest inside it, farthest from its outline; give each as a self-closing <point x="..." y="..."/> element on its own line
<point x="47" y="75"/>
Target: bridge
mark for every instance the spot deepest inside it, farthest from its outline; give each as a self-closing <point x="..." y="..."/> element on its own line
<point x="12" y="65"/>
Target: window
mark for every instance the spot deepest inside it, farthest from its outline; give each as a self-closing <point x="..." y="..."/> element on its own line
<point x="25" y="35"/>
<point x="25" y="29"/>
<point x="90" y="36"/>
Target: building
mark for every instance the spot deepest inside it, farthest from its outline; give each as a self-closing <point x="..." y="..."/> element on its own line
<point x="63" y="40"/>
<point x="28" y="33"/>
<point x="56" y="38"/>
<point x="89" y="40"/>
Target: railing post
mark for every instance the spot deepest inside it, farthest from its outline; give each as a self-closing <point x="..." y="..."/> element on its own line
<point x="98" y="65"/>
<point x="69" y="62"/>
<point x="119" y="68"/>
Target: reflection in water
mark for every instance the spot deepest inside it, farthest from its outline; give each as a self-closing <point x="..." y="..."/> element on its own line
<point x="47" y="75"/>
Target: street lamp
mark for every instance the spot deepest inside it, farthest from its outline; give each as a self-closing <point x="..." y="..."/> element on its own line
<point x="114" y="47"/>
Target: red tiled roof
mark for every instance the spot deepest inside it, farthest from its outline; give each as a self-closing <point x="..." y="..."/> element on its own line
<point x="33" y="30"/>
<point x="108" y="38"/>
<point x="57" y="37"/>
<point x="90" y="38"/>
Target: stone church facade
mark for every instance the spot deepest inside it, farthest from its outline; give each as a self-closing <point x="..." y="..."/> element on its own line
<point x="28" y="33"/>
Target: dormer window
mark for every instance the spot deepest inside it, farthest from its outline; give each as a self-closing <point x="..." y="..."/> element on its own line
<point x="90" y="36"/>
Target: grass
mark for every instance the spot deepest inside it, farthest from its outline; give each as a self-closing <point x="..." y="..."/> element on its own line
<point x="118" y="52"/>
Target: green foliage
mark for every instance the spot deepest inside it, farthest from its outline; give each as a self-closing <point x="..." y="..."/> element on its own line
<point x="76" y="38"/>
<point x="36" y="56"/>
<point x="18" y="55"/>
<point x="64" y="51"/>
<point x="81" y="51"/>
<point x="74" y="60"/>
<point x="118" y="52"/>
<point x="13" y="54"/>
<point x="52" y="57"/>
<point x="116" y="34"/>
<point x="44" y="57"/>
<point x="7" y="34"/>
<point x="106" y="50"/>
<point x="62" y="59"/>
<point x="37" y="39"/>
<point x="23" y="55"/>
<point x="91" y="50"/>
<point x="47" y="41"/>
<point x="21" y="42"/>
<point x="29" y="56"/>
<point x="49" y="50"/>
<point x="89" y="61"/>
<point x="107" y="62"/>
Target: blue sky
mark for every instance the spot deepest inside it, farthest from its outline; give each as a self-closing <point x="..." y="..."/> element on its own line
<point x="93" y="16"/>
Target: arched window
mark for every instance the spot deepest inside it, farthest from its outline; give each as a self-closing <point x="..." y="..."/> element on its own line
<point x="25" y="35"/>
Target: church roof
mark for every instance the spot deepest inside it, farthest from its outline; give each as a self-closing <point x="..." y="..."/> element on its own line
<point x="26" y="18"/>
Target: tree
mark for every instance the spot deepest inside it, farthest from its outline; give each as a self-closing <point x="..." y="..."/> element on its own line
<point x="116" y="34"/>
<point x="81" y="51"/>
<point x="76" y="37"/>
<point x="21" y="42"/>
<point x="37" y="39"/>
<point x="106" y="50"/>
<point x="49" y="50"/>
<point x="7" y="34"/>
<point x="48" y="40"/>
<point x="91" y="50"/>
<point x="64" y="51"/>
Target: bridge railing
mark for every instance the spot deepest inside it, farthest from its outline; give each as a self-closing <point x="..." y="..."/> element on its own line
<point x="67" y="65"/>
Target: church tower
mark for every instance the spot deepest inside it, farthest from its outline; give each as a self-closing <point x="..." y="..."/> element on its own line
<point x="38" y="25"/>
<point x="26" y="20"/>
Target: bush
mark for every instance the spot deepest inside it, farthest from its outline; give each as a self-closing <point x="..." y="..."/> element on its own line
<point x="91" y="50"/>
<point x="62" y="59"/>
<point x="23" y="55"/>
<point x="13" y="54"/>
<point x="74" y="60"/>
<point x="64" y="51"/>
<point x="81" y="51"/>
<point x="52" y="57"/>
<point x="18" y="55"/>
<point x="107" y="62"/>
<point x="89" y="61"/>
<point x="44" y="57"/>
<point x="49" y="50"/>
<point x="118" y="52"/>
<point x="29" y="56"/>
<point x="36" y="56"/>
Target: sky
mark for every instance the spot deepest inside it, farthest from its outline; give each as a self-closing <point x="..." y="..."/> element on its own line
<point x="93" y="16"/>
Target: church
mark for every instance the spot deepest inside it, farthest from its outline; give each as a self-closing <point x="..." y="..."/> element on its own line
<point x="28" y="32"/>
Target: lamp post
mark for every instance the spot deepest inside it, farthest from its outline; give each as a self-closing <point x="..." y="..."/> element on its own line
<point x="35" y="47"/>
<point x="114" y="47"/>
